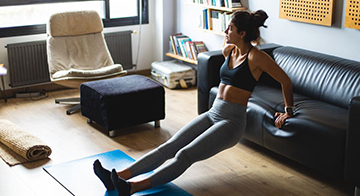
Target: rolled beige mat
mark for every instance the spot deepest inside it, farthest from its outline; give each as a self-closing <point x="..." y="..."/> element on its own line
<point x="18" y="146"/>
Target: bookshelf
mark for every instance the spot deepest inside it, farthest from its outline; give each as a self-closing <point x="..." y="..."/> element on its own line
<point x="185" y="49"/>
<point x="210" y="30"/>
<point x="224" y="15"/>
<point x="181" y="58"/>
<point x="226" y="9"/>
<point x="213" y="32"/>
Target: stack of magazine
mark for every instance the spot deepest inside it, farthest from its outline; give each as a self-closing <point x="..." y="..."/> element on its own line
<point x="182" y="45"/>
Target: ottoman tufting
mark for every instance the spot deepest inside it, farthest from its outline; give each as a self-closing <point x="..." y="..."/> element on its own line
<point x="122" y="102"/>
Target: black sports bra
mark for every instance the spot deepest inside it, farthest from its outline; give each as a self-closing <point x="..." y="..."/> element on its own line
<point x="240" y="76"/>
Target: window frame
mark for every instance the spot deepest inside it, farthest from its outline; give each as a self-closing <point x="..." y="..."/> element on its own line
<point x="41" y="28"/>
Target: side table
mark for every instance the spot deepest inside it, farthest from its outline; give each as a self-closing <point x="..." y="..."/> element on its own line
<point x="3" y="72"/>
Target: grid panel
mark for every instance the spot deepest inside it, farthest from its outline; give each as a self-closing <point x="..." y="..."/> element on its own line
<point x="309" y="11"/>
<point x="352" y="17"/>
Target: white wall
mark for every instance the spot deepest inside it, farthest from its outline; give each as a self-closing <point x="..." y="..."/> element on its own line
<point x="164" y="26"/>
<point x="170" y="16"/>
<point x="147" y="43"/>
<point x="335" y="40"/>
<point x="188" y="17"/>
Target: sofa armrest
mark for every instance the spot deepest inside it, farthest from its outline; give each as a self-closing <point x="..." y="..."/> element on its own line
<point x="352" y="147"/>
<point x="209" y="64"/>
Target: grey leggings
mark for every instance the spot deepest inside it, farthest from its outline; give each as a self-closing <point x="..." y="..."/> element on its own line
<point x="208" y="134"/>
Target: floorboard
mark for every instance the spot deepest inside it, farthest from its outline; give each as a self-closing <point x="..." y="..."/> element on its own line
<point x="246" y="169"/>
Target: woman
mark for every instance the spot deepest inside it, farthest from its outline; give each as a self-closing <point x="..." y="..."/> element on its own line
<point x="223" y="125"/>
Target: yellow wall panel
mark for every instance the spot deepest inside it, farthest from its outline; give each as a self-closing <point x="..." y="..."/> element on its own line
<point x="352" y="15"/>
<point x="309" y="11"/>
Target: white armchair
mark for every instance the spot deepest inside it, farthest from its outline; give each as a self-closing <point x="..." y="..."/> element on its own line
<point x="77" y="52"/>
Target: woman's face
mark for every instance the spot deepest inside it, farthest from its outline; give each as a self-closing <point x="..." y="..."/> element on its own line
<point x="232" y="36"/>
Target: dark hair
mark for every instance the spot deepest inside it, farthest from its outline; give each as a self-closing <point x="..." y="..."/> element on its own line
<point x="250" y="23"/>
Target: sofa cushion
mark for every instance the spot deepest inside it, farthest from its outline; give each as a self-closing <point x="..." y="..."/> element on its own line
<point x="95" y="73"/>
<point x="319" y="76"/>
<point x="314" y="137"/>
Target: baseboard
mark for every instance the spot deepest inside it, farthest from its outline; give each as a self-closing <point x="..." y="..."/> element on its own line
<point x="24" y="91"/>
<point x="11" y="93"/>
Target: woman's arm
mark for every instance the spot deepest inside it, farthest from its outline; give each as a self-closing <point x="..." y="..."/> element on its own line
<point x="265" y="63"/>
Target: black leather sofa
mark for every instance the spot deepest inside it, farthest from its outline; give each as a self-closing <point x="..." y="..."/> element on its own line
<point x="325" y="131"/>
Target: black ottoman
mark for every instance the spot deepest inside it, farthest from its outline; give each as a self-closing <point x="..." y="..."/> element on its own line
<point x="122" y="102"/>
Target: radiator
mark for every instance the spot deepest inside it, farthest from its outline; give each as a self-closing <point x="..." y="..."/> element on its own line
<point x="119" y="45"/>
<point x="28" y="61"/>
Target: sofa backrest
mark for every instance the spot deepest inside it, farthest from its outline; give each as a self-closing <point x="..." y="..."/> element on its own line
<point x="328" y="78"/>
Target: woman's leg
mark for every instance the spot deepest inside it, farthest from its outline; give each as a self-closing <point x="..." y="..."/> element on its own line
<point x="155" y="158"/>
<point x="217" y="138"/>
<point x="158" y="156"/>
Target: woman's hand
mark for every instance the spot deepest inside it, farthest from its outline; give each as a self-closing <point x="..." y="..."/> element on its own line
<point x="280" y="118"/>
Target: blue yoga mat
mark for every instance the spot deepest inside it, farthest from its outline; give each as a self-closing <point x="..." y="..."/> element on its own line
<point x="79" y="179"/>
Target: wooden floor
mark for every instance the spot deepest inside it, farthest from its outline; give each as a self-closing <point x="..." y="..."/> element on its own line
<point x="246" y="169"/>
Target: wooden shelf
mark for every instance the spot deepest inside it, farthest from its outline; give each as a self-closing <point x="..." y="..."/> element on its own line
<point x="210" y="7"/>
<point x="213" y="32"/>
<point x="219" y="8"/>
<point x="181" y="58"/>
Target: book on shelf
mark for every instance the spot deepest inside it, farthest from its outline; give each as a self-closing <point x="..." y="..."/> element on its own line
<point x="214" y="20"/>
<point x="188" y="49"/>
<point x="206" y="19"/>
<point x="233" y="3"/>
<point x="182" y="45"/>
<point x="225" y="18"/>
<point x="177" y="43"/>
<point x="200" y="47"/>
<point x="217" y="20"/>
<point x="193" y="50"/>
<point x="172" y="43"/>
<point x="220" y="3"/>
<point x="196" y="47"/>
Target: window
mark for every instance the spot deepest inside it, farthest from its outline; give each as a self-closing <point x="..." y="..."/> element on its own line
<point x="25" y="17"/>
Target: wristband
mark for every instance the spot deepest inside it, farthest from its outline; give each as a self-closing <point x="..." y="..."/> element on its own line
<point x="290" y="109"/>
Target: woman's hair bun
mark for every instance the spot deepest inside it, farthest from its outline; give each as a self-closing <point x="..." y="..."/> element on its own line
<point x="259" y="18"/>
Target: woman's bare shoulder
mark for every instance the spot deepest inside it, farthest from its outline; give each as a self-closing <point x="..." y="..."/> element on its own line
<point x="257" y="54"/>
<point x="260" y="58"/>
<point x="226" y="49"/>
